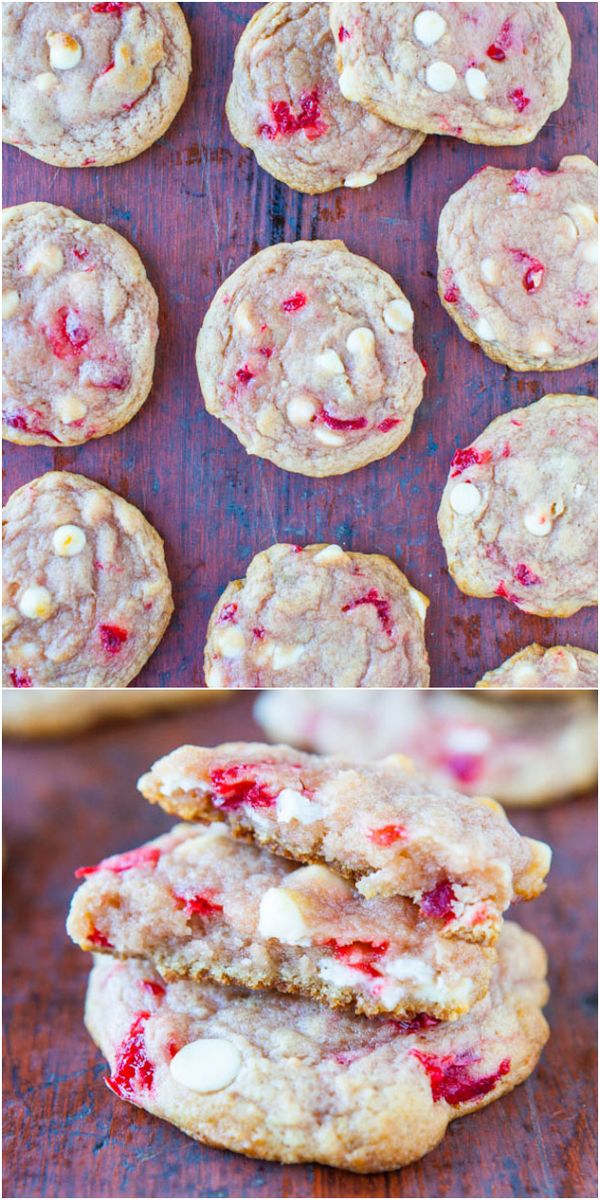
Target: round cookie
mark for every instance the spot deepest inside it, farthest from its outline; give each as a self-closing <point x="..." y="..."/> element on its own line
<point x="79" y="327"/>
<point x="538" y="667"/>
<point x="228" y="1066"/>
<point x="517" y="264"/>
<point x="488" y="73"/>
<point x="318" y="616"/>
<point x="518" y="516"/>
<point x="87" y="597"/>
<point x="92" y="84"/>
<point x="285" y="104"/>
<point x="306" y="353"/>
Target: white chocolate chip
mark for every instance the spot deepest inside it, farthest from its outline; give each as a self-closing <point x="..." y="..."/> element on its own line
<point x="46" y="82"/>
<point x="419" y="602"/>
<point x="36" y="603"/>
<point x="524" y="674"/>
<point x="329" y="363"/>
<point x="468" y="740"/>
<point x="465" y="498"/>
<point x="301" y="410"/>
<point x="399" y="761"/>
<point x="207" y="1065"/>
<point x="361" y="342"/>
<point x="584" y="217"/>
<point x="47" y="258"/>
<point x="440" y="77"/>
<point x="349" y="84"/>
<point x="338" y="974"/>
<point x="320" y="877"/>
<point x="538" y="521"/>
<point x="328" y="437"/>
<point x="540" y="347"/>
<point x="589" y="252"/>
<point x="489" y="270"/>
<point x="567" y="227"/>
<point x="294" y="806"/>
<point x="267" y="419"/>
<point x="286" y="656"/>
<point x="68" y="540"/>
<point x="477" y="84"/>
<point x="328" y="555"/>
<point x="484" y="330"/>
<point x="398" y="316"/>
<point x="69" y="408"/>
<point x="359" y="179"/>
<point x="429" y="27"/>
<point x="65" y="51"/>
<point x="10" y="304"/>
<point x="230" y="642"/>
<point x="244" y="319"/>
<point x="281" y="918"/>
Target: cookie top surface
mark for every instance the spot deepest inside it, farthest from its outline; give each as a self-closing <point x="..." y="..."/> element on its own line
<point x="79" y="327"/>
<point x="229" y="1067"/>
<point x="517" y="254"/>
<point x="306" y="353"/>
<point x="519" y="511"/>
<point x="538" y="667"/>
<point x="87" y="597"/>
<point x="92" y="84"/>
<point x="321" y="616"/>
<point x="488" y="73"/>
<point x="286" y="105"/>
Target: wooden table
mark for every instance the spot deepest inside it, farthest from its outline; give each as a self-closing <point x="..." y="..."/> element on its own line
<point x="65" y="1134"/>
<point x="196" y="205"/>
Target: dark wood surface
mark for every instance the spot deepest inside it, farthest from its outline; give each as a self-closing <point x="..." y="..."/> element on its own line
<point x="196" y="205"/>
<point x="65" y="1134"/>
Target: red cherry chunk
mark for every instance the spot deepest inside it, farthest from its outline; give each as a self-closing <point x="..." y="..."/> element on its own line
<point x="360" y="955"/>
<point x="497" y="50"/>
<point x="450" y="1077"/>
<point x="519" y="182"/>
<point x="155" y="989"/>
<point x="519" y="99"/>
<point x="452" y="294"/>
<point x="112" y="638"/>
<point x="99" y="939"/>
<point x="469" y="457"/>
<point x="144" y="856"/>
<point x="237" y="785"/>
<point x="244" y="375"/>
<point x="387" y="424"/>
<point x="32" y="423"/>
<point x="466" y="767"/>
<point x="134" y="1072"/>
<point x="293" y="303"/>
<point x="386" y="835"/>
<point x="532" y="279"/>
<point x="20" y="679"/>
<point x="439" y="901"/>
<point x="110" y="9"/>
<point x="415" y="1024"/>
<point x="285" y="122"/>
<point x="381" y="605"/>
<point x="339" y="423"/>
<point x="200" y="904"/>
<point x="68" y="337"/>
<point x="503" y="591"/>
<point x="343" y="35"/>
<point x="227" y="613"/>
<point x="523" y="574"/>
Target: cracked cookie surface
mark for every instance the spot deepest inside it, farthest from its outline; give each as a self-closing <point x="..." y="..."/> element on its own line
<point x="79" y="327"/>
<point x="306" y="353"/>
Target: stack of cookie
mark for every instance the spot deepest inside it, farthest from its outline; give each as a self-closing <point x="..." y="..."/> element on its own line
<point x="360" y="888"/>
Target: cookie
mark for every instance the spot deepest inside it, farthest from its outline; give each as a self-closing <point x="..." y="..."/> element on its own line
<point x="521" y="754"/>
<point x="321" y="616"/>
<point x="79" y="328"/>
<point x="538" y="667"/>
<point x="89" y="85"/>
<point x="382" y="825"/>
<point x="198" y="902"/>
<point x="57" y="713"/>
<point x="517" y="264"/>
<point x="87" y="596"/>
<point x="285" y="104"/>
<point x="232" y="1068"/>
<point x="518" y="516"/>
<point x="488" y="73"/>
<point x="306" y="353"/>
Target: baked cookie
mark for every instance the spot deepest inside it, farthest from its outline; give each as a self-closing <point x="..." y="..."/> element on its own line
<point x="87" y="596"/>
<point x="89" y="85"/>
<point x="382" y="825"/>
<point x="538" y="667"/>
<point x="517" y="264"/>
<point x="321" y="616"/>
<point x="519" y="515"/>
<point x="79" y="327"/>
<point x="198" y="902"/>
<point x="228" y="1067"/>
<point x="522" y="754"/>
<point x="285" y="104"/>
<point x="488" y="73"/>
<point x="306" y="353"/>
<point x="57" y="713"/>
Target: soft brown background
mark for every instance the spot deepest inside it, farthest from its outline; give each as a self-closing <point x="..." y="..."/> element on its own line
<point x="196" y="205"/>
<point x="65" y="1134"/>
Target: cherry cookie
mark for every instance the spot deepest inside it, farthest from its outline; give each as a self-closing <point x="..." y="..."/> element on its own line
<point x="390" y="830"/>
<point x="228" y="1066"/>
<point x="89" y="85"/>
<point x="488" y="73"/>
<point x="306" y="353"/>
<point x="321" y="616"/>
<point x="519" y="517"/>
<point x="198" y="902"/>
<point x="87" y="597"/>
<point x="285" y="104"/>
<point x="79" y="328"/>
<point x="518" y="254"/>
<point x="538" y="667"/>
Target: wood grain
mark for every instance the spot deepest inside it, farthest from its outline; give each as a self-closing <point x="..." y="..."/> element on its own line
<point x="196" y="205"/>
<point x="65" y="1134"/>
